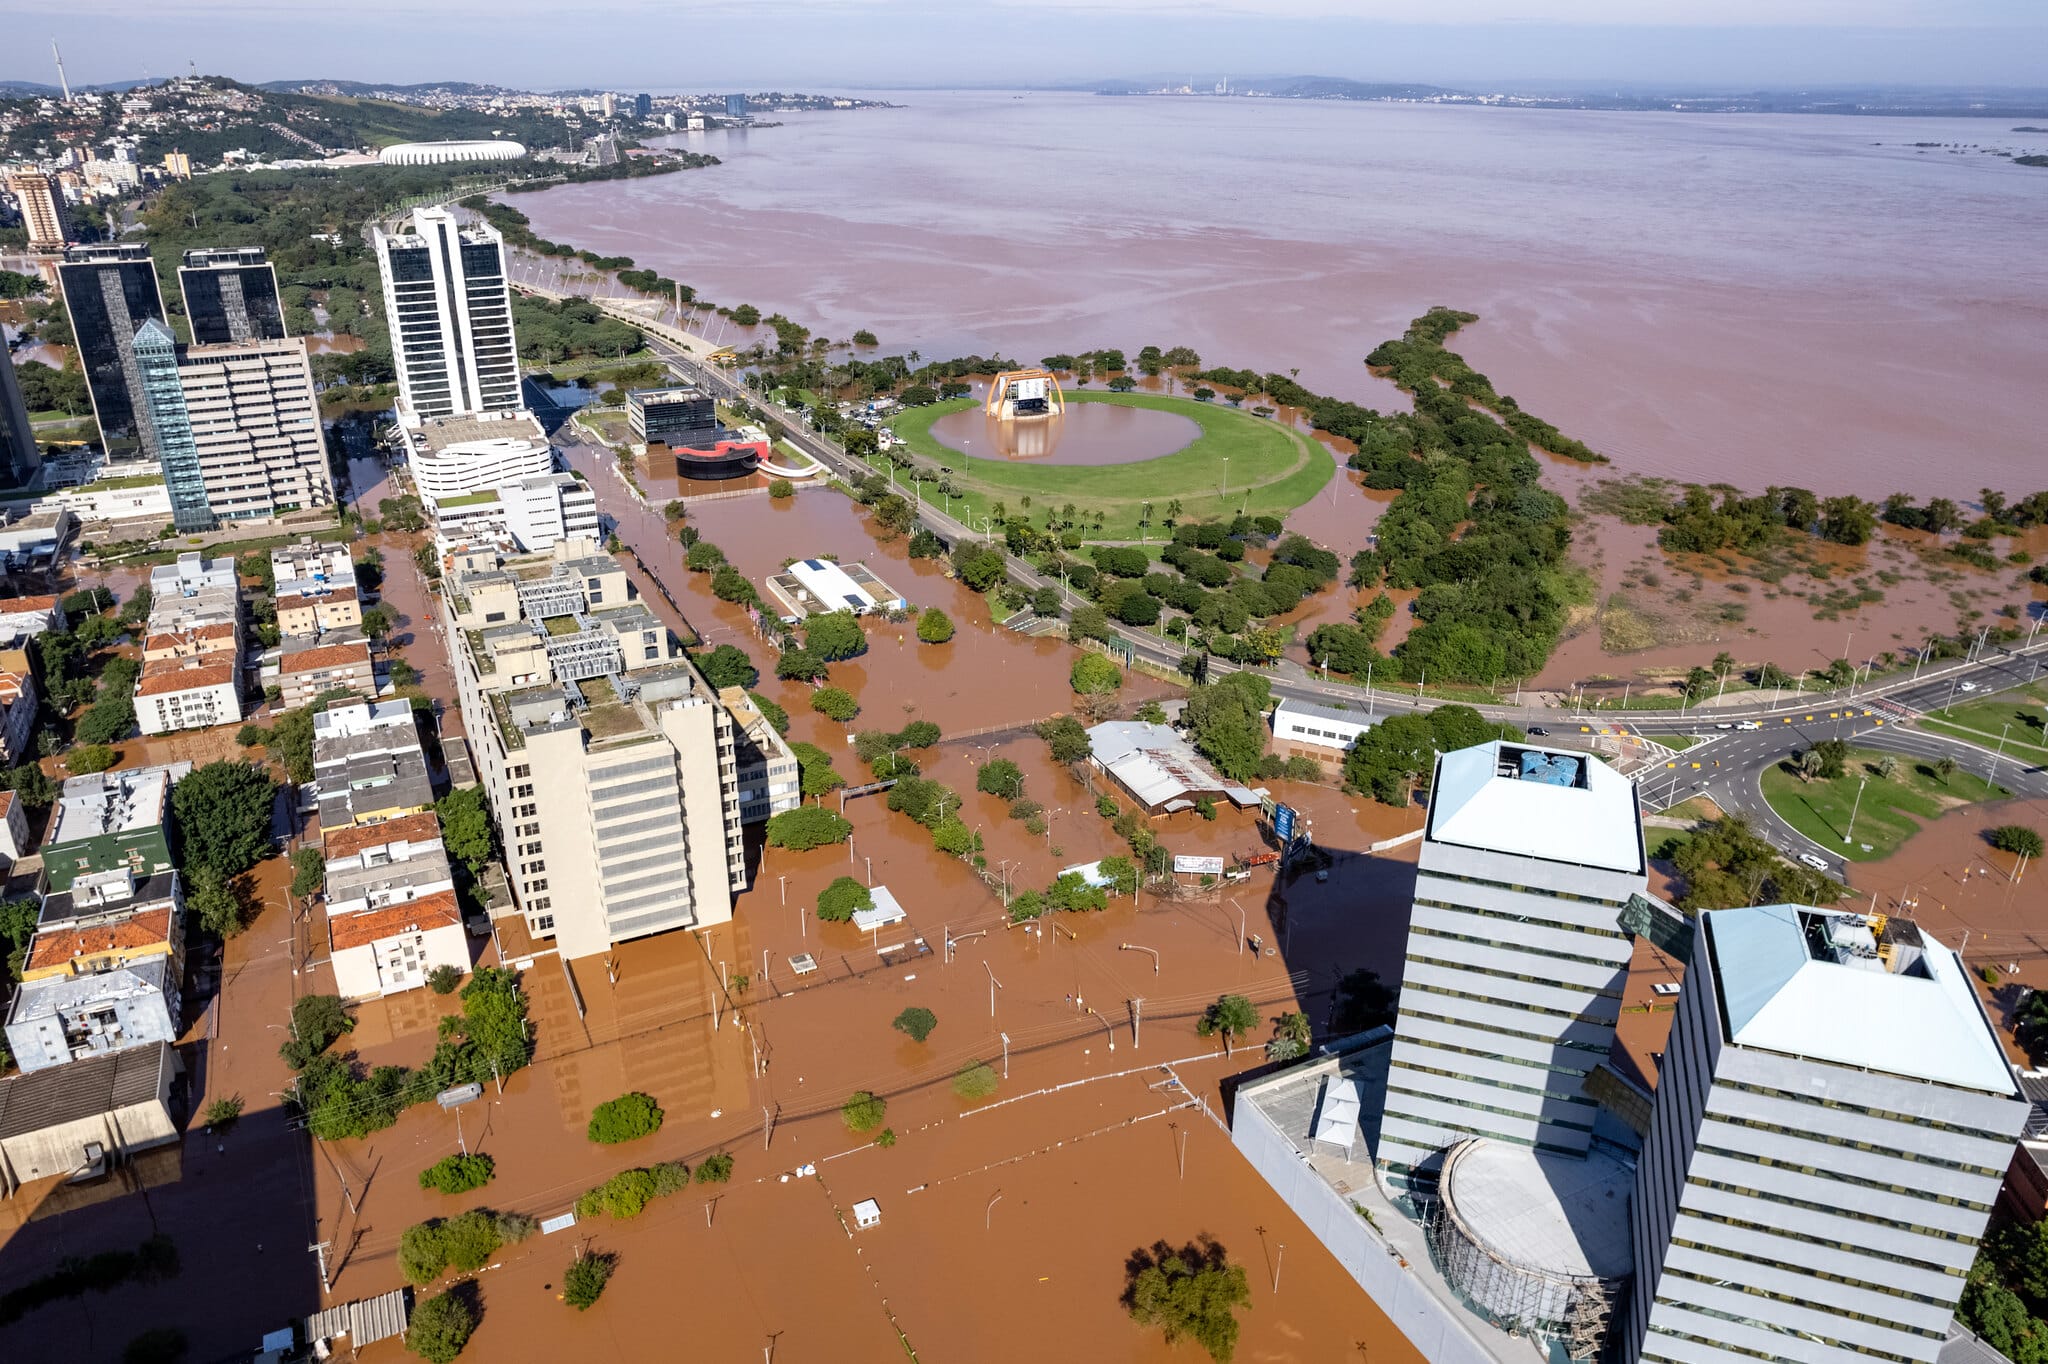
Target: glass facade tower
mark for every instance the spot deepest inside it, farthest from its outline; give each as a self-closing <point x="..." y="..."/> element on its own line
<point x="167" y="426"/>
<point x="109" y="292"/>
<point x="231" y="295"/>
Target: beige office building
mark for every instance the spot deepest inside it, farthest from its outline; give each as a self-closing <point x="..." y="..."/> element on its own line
<point x="42" y="209"/>
<point x="609" y="763"/>
<point x="256" y="423"/>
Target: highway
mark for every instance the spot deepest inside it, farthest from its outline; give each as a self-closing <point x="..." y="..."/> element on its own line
<point x="1743" y="740"/>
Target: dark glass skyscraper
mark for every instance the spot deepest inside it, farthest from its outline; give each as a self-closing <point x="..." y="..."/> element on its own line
<point x="231" y="295"/>
<point x="109" y="292"/>
<point x="20" y="456"/>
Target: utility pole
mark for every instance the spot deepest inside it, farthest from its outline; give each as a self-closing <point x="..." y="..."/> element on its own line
<point x="993" y="986"/>
<point x="1181" y="1144"/>
<point x="320" y="1250"/>
<point x="1853" y="809"/>
<point x="1279" y="1260"/>
<point x="767" y="1125"/>
<point x="1137" y="1017"/>
<point x="1006" y="1055"/>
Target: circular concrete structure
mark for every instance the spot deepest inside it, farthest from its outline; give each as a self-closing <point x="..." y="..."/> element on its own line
<point x="1085" y="433"/>
<point x="1539" y="1242"/>
<point x="442" y="153"/>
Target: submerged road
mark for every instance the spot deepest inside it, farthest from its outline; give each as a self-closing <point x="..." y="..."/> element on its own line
<point x="1743" y="740"/>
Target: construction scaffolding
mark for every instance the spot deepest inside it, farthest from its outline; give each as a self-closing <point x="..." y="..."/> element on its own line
<point x="1576" y="1311"/>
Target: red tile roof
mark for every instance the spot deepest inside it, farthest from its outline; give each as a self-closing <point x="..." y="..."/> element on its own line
<point x="414" y="916"/>
<point x="340" y="843"/>
<point x="167" y="675"/>
<point x="133" y="933"/>
<point x="325" y="656"/>
<point x="15" y="606"/>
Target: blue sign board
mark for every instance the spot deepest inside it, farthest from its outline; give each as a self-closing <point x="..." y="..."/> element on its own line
<point x="1283" y="823"/>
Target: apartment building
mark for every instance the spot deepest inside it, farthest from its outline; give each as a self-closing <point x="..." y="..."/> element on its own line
<point x="768" y="771"/>
<point x="102" y="972"/>
<point x="17" y="716"/>
<point x="446" y="295"/>
<point x="1515" y="957"/>
<point x="392" y="916"/>
<point x="42" y="209"/>
<point x="368" y="764"/>
<point x="314" y="587"/>
<point x="610" y="766"/>
<point x="255" y="427"/>
<point x="312" y="666"/>
<point x="192" y="670"/>
<point x="1833" y="1121"/>
<point x="21" y="454"/>
<point x="111" y="821"/>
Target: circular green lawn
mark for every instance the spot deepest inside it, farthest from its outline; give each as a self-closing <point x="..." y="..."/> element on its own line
<point x="1239" y="462"/>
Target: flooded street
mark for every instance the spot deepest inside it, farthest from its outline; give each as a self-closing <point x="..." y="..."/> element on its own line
<point x="1864" y="312"/>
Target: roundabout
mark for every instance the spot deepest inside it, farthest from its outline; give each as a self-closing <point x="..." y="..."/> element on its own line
<point x="1215" y="461"/>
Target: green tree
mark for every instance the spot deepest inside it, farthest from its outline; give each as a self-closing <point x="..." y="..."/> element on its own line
<point x="1089" y="622"/>
<point x="715" y="1168"/>
<point x="1226" y="721"/>
<point x="223" y="813"/>
<point x="704" y="557"/>
<point x="444" y="979"/>
<point x="309" y="872"/>
<point x="211" y="900"/>
<point x="952" y="837"/>
<point x="798" y="664"/>
<point x="934" y="626"/>
<point x="835" y="703"/>
<point x="976" y="1080"/>
<point x="583" y="1283"/>
<point x="626" y="1118"/>
<point x="917" y="1022"/>
<point x="815" y="773"/>
<point x="111" y="718"/>
<point x="838" y="901"/>
<point x="863" y="1111"/>
<point x="1888" y="767"/>
<point x="89" y="758"/>
<point x="1066" y="737"/>
<point x="807" y="827"/>
<point x="1945" y="767"/>
<point x="1231" y="1015"/>
<point x="835" y="635"/>
<point x="441" y="1326"/>
<point x="2017" y="839"/>
<point x="466" y="827"/>
<point x="1000" y="777"/>
<point x="458" y="1173"/>
<point x="728" y="666"/>
<point x="1192" y="1293"/>
<point x="1095" y="675"/>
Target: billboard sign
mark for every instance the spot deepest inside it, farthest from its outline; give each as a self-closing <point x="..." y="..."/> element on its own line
<point x="1207" y="866"/>
<point x="1283" y="823"/>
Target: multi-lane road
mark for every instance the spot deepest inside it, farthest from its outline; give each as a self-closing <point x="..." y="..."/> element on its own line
<point x="1743" y="739"/>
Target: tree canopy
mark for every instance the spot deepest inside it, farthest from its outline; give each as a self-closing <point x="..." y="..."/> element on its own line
<point x="1190" y="1293"/>
<point x="838" y="901"/>
<point x="1226" y="722"/>
<point x="223" y="813"/>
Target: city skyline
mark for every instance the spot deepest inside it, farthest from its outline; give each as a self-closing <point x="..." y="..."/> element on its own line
<point x="863" y="43"/>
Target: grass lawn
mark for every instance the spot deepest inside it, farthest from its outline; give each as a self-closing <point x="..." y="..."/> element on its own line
<point x="1892" y="808"/>
<point x="1677" y="743"/>
<point x="2019" y="714"/>
<point x="1271" y="469"/>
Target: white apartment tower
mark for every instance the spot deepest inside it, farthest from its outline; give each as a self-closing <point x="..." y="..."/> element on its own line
<point x="255" y="423"/>
<point x="450" y="312"/>
<point x="42" y="209"/>
<point x="1833" y="1120"/>
<point x="1516" y="956"/>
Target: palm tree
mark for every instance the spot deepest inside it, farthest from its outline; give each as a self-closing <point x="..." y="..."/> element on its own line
<point x="1945" y="768"/>
<point x="1887" y="767"/>
<point x="1811" y="763"/>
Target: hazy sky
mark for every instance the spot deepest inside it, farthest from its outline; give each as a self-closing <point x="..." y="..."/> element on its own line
<point x="713" y="44"/>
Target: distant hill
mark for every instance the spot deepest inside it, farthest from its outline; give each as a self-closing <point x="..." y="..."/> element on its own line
<point x="339" y="87"/>
<point x="1337" y="87"/>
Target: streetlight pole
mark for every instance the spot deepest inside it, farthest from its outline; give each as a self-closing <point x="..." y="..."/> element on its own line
<point x="993" y="986"/>
<point x="1861" y="782"/>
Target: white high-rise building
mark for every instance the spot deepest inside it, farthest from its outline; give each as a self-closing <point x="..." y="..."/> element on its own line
<point x="256" y="427"/>
<point x="1516" y="954"/>
<point x="450" y="311"/>
<point x="1833" y="1121"/>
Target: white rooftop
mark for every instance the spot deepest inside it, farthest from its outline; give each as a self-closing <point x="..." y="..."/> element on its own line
<point x="829" y="584"/>
<point x="886" y="911"/>
<point x="1157" y="765"/>
<point x="1539" y="802"/>
<point x="1811" y="982"/>
<point x="1544" y="1211"/>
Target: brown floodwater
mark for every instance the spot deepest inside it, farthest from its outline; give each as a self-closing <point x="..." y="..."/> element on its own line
<point x="1868" y="316"/>
<point x="1086" y="433"/>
